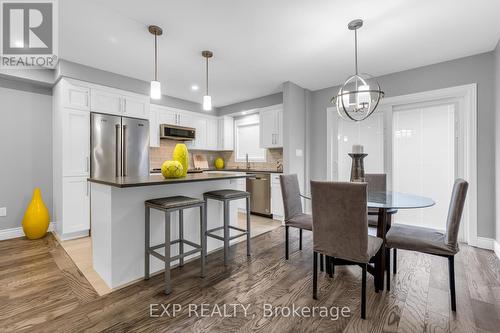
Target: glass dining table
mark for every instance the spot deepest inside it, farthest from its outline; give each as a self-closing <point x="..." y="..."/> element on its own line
<point x="388" y="203"/>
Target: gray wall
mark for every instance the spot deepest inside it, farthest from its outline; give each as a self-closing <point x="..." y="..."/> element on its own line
<point x="93" y="75"/>
<point x="25" y="148"/>
<point x="251" y="104"/>
<point x="474" y="69"/>
<point x="497" y="140"/>
<point x="295" y="101"/>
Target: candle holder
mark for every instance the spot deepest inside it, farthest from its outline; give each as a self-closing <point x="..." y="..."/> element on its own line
<point x="357" y="168"/>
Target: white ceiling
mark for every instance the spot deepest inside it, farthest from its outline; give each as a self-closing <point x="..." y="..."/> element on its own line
<point x="259" y="44"/>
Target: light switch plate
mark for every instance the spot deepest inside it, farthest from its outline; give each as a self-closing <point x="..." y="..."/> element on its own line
<point x="3" y="211"/>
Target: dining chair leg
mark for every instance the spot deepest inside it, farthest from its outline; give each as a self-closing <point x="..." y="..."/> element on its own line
<point x="315" y="275"/>
<point x="328" y="261"/>
<point x="321" y="268"/>
<point x="332" y="260"/>
<point x="286" y="241"/>
<point x="394" y="261"/>
<point x="300" y="239"/>
<point x="451" y="269"/>
<point x="363" y="293"/>
<point x="388" y="268"/>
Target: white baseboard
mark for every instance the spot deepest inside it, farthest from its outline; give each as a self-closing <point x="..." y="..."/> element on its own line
<point x="497" y="249"/>
<point x="485" y="243"/>
<point x="18" y="232"/>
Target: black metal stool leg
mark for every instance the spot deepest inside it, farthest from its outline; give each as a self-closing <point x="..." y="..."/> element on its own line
<point x="147" y="244"/>
<point x="287" y="231"/>
<point x="181" y="237"/>
<point x="249" y="236"/>
<point x="300" y="239"/>
<point x="203" y="239"/>
<point x="168" y="287"/>
<point x="321" y="267"/>
<point x="226" y="233"/>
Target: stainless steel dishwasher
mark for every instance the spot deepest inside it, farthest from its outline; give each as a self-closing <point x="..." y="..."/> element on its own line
<point x="259" y="185"/>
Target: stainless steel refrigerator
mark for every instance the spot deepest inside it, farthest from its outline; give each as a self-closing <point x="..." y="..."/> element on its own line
<point x="119" y="146"/>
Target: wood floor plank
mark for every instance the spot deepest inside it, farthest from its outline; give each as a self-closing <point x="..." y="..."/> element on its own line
<point x="41" y="290"/>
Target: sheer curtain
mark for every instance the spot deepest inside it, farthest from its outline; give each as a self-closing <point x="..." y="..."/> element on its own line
<point x="423" y="161"/>
<point x="370" y="134"/>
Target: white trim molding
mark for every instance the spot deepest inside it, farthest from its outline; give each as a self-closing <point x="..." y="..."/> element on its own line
<point x="496" y="246"/>
<point x="18" y="232"/>
<point x="485" y="243"/>
<point x="466" y="97"/>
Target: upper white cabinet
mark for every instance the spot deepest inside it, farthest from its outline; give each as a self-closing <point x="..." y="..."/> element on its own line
<point x="103" y="101"/>
<point x="75" y="142"/>
<point x="75" y="96"/>
<point x="226" y="134"/>
<point x="111" y="101"/>
<point x="136" y="107"/>
<point x="271" y="127"/>
<point x="207" y="127"/>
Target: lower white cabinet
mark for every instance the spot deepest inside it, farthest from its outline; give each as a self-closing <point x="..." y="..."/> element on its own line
<point x="76" y="206"/>
<point x="276" y="198"/>
<point x="242" y="186"/>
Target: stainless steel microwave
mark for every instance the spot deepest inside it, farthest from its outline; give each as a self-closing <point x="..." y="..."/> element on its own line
<point x="174" y="132"/>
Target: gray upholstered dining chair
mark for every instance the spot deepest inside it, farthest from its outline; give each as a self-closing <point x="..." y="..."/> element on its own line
<point x="377" y="182"/>
<point x="340" y="228"/>
<point x="432" y="241"/>
<point x="292" y="204"/>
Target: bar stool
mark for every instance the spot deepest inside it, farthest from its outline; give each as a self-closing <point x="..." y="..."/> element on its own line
<point x="169" y="205"/>
<point x="226" y="196"/>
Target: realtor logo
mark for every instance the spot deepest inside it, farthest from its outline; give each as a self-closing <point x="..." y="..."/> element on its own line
<point x="29" y="34"/>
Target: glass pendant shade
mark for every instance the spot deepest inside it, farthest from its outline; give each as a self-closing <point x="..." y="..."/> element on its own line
<point x="207" y="103"/>
<point x="358" y="98"/>
<point x="155" y="90"/>
<point x="360" y="94"/>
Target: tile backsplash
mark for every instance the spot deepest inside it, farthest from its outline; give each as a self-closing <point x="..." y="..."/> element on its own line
<point x="157" y="155"/>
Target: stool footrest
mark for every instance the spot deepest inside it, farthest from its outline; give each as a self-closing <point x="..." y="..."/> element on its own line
<point x="179" y="256"/>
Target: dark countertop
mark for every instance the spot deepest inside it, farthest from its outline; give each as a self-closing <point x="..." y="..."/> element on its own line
<point x="160" y="180"/>
<point x="231" y="170"/>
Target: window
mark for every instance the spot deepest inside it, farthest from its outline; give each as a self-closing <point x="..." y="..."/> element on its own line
<point x="247" y="135"/>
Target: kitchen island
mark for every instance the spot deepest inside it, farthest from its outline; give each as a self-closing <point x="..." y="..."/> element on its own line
<point x="117" y="220"/>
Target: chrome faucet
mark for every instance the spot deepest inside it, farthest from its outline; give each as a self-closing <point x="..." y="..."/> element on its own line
<point x="248" y="163"/>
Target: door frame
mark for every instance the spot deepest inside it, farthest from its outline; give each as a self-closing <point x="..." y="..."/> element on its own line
<point x="466" y="97"/>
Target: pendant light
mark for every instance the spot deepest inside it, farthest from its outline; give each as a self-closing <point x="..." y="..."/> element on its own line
<point x="155" y="84"/>
<point x="207" y="99"/>
<point x="360" y="94"/>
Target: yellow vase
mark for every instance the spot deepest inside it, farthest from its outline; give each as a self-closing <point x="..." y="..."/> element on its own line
<point x="36" y="218"/>
<point x="181" y="155"/>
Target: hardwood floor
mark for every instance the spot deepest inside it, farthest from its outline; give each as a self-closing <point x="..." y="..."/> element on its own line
<point x="41" y="290"/>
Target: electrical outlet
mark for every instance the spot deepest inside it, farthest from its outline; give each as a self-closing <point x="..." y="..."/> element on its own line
<point x="3" y="211"/>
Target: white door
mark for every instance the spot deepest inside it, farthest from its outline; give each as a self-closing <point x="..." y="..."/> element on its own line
<point x="423" y="160"/>
<point x="76" y="142"/>
<point x="76" y="209"/>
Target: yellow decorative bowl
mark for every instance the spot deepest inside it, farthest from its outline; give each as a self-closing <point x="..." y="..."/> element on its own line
<point x="219" y="163"/>
<point x="172" y="169"/>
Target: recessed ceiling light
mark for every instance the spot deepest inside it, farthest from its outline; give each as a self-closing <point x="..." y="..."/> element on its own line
<point x="194" y="87"/>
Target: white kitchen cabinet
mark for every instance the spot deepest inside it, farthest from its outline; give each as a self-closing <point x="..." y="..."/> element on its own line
<point x="166" y="116"/>
<point x="154" y="128"/>
<point x="271" y="127"/>
<point x="226" y="134"/>
<point x="135" y="107"/>
<point x="76" y="213"/>
<point x="75" y="142"/>
<point x="212" y="134"/>
<point x="75" y="96"/>
<point x="241" y="186"/>
<point x="200" y="124"/>
<point x="104" y="101"/>
<point x="276" y="198"/>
